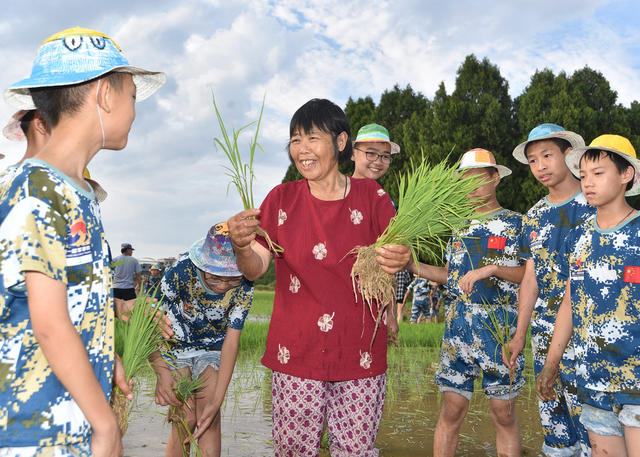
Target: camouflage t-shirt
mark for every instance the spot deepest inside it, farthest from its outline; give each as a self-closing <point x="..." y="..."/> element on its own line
<point x="199" y="316"/>
<point x="544" y="229"/>
<point x="421" y="290"/>
<point x="492" y="241"/>
<point x="604" y="268"/>
<point x="50" y="225"/>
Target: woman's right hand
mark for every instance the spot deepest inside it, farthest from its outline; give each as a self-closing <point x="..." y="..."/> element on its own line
<point x="243" y="227"/>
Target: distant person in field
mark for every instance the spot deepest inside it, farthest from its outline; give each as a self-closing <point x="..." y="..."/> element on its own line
<point x="319" y="348"/>
<point x="483" y="270"/>
<point x="127" y="277"/>
<point x="152" y="285"/>
<point x="206" y="301"/>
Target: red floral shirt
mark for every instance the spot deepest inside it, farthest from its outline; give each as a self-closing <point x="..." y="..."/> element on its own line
<point x="317" y="329"/>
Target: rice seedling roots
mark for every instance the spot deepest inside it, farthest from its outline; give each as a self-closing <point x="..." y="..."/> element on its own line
<point x="120" y="409"/>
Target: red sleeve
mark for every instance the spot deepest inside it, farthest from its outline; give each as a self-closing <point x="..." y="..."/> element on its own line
<point x="382" y="208"/>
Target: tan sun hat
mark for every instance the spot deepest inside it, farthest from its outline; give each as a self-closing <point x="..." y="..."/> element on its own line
<point x="481" y="158"/>
<point x="99" y="192"/>
<point x="615" y="144"/>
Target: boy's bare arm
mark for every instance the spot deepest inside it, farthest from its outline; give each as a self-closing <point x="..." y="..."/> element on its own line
<point x="527" y="296"/>
<point x="53" y="329"/>
<point x="431" y="272"/>
<point x="561" y="336"/>
<point x="228" y="356"/>
<point x="513" y="274"/>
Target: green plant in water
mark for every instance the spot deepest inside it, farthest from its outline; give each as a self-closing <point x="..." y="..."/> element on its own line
<point x="186" y="388"/>
<point x="241" y="173"/>
<point x="137" y="334"/>
<point x="433" y="202"/>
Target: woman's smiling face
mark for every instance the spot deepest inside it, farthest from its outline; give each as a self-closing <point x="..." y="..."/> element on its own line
<point x="314" y="152"/>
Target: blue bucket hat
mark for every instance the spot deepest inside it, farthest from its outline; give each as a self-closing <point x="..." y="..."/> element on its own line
<point x="545" y="132"/>
<point x="78" y="55"/>
<point x="214" y="253"/>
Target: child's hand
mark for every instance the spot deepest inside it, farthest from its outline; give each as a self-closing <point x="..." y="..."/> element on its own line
<point x="165" y="393"/>
<point x="545" y="382"/>
<point x="106" y="440"/>
<point x="120" y="379"/>
<point x="469" y="279"/>
<point x="206" y="418"/>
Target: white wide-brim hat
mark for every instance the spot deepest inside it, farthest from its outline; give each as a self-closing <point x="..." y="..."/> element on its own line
<point x="482" y="158"/>
<point x="78" y="55"/>
<point x="546" y="132"/>
<point x="615" y="144"/>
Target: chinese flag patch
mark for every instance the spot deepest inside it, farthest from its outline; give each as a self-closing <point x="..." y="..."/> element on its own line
<point x="631" y="274"/>
<point x="497" y="242"/>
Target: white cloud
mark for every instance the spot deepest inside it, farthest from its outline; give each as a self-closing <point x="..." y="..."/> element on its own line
<point x="168" y="186"/>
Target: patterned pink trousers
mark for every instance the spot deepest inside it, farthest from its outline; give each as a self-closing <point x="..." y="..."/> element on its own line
<point x="353" y="410"/>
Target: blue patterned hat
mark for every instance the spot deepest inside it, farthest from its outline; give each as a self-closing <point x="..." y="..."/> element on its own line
<point x="545" y="132"/>
<point x="78" y="55"/>
<point x="214" y="253"/>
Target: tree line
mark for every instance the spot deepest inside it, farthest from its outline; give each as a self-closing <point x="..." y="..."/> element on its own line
<point x="481" y="113"/>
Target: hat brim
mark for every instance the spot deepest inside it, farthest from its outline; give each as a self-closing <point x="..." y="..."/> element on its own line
<point x="19" y="96"/>
<point x="573" y="157"/>
<point x="502" y="170"/>
<point x="195" y="255"/>
<point x="573" y="138"/>
<point x="98" y="190"/>
<point x="395" y="149"/>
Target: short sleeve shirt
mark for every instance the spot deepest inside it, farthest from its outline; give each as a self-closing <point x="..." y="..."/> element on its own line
<point x="420" y="287"/>
<point x="125" y="271"/>
<point x="604" y="268"/>
<point x="320" y="328"/>
<point x="491" y="241"/>
<point x="544" y="230"/>
<point x="50" y="225"/>
<point x="199" y="316"/>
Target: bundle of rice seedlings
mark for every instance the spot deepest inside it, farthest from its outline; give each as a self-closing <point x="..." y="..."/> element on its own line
<point x="241" y="173"/>
<point x="186" y="388"/>
<point x="433" y="202"/>
<point x="137" y="335"/>
<point x="501" y="332"/>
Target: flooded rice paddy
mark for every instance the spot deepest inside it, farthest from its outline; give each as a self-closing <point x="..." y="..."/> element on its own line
<point x="410" y="415"/>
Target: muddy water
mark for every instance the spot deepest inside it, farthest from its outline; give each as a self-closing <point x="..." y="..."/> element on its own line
<point x="411" y="413"/>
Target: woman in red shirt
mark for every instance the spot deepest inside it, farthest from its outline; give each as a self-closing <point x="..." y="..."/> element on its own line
<point x="319" y="342"/>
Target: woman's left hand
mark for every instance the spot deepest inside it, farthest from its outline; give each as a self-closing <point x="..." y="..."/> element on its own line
<point x="393" y="257"/>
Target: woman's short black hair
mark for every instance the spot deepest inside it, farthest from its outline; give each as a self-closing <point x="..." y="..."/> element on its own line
<point x="326" y="116"/>
<point x="594" y="155"/>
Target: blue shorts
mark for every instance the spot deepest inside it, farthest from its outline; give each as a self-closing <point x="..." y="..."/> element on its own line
<point x="419" y="308"/>
<point x="607" y="413"/>
<point x="197" y="360"/>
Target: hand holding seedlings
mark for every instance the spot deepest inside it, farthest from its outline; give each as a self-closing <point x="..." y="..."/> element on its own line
<point x="243" y="228"/>
<point x="120" y="379"/>
<point x="393" y="257"/>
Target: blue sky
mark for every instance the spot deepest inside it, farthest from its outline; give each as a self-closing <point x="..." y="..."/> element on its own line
<point x="168" y="186"/>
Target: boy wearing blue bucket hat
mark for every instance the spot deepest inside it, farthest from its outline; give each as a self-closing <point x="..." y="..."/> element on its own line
<point x="544" y="229"/>
<point x="600" y="311"/>
<point x="56" y="311"/>
<point x="206" y="300"/>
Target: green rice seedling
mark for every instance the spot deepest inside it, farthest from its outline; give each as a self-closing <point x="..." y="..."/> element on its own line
<point x="186" y="388"/>
<point x="433" y="202"/>
<point x="137" y="335"/>
<point x="241" y="173"/>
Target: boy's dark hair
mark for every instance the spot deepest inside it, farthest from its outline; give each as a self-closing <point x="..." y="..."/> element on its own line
<point x="594" y="155"/>
<point x="57" y="100"/>
<point x="26" y="120"/>
<point x="326" y="116"/>
<point x="562" y="144"/>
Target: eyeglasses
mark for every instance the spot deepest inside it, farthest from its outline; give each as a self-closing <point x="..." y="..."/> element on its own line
<point x="223" y="282"/>
<point x="372" y="156"/>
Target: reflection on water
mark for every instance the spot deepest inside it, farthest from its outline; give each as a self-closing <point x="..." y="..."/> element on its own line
<point x="410" y="415"/>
